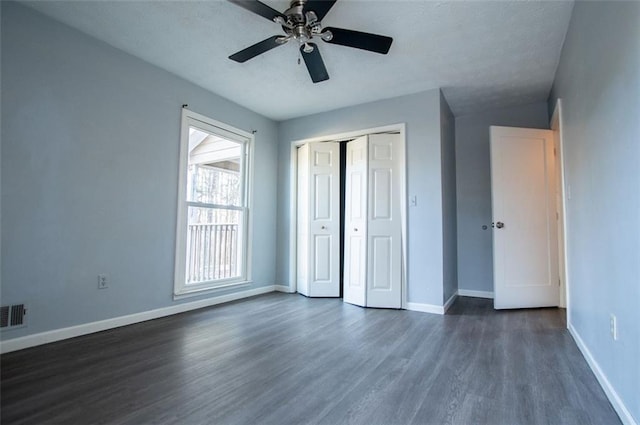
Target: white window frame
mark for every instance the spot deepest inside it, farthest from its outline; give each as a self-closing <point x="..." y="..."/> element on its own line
<point x="206" y="124"/>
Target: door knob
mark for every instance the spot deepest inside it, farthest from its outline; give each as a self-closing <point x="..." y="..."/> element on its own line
<point x="355" y="229"/>
<point x="499" y="225"/>
<point x="323" y="227"/>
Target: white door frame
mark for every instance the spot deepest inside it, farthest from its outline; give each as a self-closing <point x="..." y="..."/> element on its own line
<point x="556" y="125"/>
<point x="293" y="201"/>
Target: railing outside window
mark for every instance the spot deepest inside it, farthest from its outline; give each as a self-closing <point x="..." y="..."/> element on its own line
<point x="212" y="251"/>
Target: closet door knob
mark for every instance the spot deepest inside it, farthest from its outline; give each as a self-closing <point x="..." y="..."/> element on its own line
<point x="355" y="229"/>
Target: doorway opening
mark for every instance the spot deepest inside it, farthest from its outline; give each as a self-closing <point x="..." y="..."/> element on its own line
<point x="528" y="208"/>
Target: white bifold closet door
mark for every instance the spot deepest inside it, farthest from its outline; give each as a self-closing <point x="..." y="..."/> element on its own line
<point x="318" y="221"/>
<point x="373" y="246"/>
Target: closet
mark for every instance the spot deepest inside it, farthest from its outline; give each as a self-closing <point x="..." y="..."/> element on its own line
<point x="372" y="262"/>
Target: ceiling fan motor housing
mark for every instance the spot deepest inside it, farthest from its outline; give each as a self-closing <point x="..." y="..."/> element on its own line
<point x="296" y="11"/>
<point x="300" y="25"/>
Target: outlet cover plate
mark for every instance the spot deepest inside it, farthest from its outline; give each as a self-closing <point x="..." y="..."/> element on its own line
<point x="103" y="281"/>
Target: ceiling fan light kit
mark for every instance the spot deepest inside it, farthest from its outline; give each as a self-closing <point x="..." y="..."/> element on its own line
<point x="302" y="23"/>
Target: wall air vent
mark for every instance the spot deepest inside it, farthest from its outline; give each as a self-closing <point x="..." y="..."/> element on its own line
<point x="12" y="316"/>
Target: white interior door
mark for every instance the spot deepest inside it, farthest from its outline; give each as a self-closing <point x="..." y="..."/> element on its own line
<point x="525" y="248"/>
<point x="355" y="229"/>
<point x="324" y="220"/>
<point x="384" y="245"/>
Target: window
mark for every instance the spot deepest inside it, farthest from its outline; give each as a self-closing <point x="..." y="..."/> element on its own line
<point x="213" y="215"/>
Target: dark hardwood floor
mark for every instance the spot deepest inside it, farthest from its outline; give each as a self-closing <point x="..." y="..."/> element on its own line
<point x="286" y="359"/>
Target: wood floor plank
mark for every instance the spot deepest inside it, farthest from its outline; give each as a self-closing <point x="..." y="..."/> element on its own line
<point x="286" y="359"/>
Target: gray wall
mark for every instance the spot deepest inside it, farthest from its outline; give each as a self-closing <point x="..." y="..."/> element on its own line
<point x="90" y="142"/>
<point x="473" y="178"/>
<point x="598" y="80"/>
<point x="421" y="114"/>
<point x="449" y="217"/>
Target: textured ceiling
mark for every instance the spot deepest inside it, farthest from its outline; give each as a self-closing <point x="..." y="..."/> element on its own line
<point x="482" y="54"/>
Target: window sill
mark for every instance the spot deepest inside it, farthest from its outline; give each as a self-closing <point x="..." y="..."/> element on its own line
<point x="196" y="292"/>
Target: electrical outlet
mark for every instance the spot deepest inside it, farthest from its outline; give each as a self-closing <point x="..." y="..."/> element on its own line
<point x="103" y="281"/>
<point x="613" y="326"/>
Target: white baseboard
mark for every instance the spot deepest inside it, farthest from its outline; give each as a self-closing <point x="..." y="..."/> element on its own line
<point x="283" y="288"/>
<point x="432" y="308"/>
<point x="425" y="308"/>
<point x="476" y="294"/>
<point x="20" y="343"/>
<point x="612" y="395"/>
<point x="450" y="301"/>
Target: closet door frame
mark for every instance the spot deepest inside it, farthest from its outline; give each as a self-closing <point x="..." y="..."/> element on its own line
<point x="399" y="128"/>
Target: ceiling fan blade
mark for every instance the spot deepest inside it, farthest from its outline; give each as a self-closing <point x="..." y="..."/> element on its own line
<point x="360" y="40"/>
<point x="257" y="49"/>
<point x="314" y="63"/>
<point x="320" y="7"/>
<point x="259" y="8"/>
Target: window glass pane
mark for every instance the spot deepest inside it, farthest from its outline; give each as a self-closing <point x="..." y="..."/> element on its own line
<point x="214" y="169"/>
<point x="214" y="244"/>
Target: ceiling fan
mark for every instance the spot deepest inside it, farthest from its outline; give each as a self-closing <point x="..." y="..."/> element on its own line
<point x="301" y="22"/>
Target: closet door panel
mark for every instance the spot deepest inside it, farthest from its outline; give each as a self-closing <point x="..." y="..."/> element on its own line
<point x="384" y="246"/>
<point x="324" y="224"/>
<point x="302" y="225"/>
<point x="355" y="250"/>
<point x="381" y="263"/>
